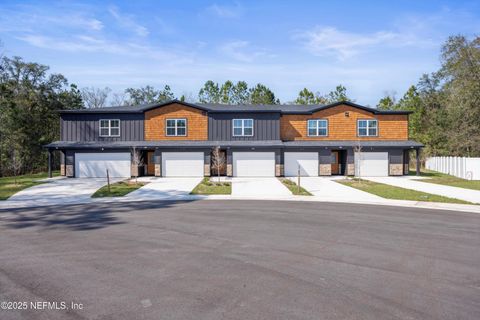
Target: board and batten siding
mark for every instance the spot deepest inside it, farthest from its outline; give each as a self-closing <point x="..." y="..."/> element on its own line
<point x="266" y="126"/>
<point x="86" y="127"/>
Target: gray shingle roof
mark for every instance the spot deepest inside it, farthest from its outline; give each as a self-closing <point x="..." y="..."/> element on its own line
<point x="216" y="107"/>
<point x="208" y="144"/>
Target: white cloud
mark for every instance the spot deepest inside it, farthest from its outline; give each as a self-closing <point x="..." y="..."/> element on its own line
<point x="128" y="22"/>
<point x="226" y="11"/>
<point x="241" y="50"/>
<point x="323" y="41"/>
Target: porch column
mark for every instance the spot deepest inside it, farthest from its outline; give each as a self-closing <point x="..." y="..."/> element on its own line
<point x="279" y="171"/>
<point x="229" y="163"/>
<point x="418" y="161"/>
<point x="157" y="159"/>
<point x="49" y="163"/>
<point x="206" y="163"/>
<point x="325" y="162"/>
<point x="62" y="163"/>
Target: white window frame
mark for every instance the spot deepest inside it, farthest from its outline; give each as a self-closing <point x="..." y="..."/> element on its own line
<point x="175" y="127"/>
<point x="242" y="127"/>
<point x="367" y="128"/>
<point x="317" y="128"/>
<point x="109" y="128"/>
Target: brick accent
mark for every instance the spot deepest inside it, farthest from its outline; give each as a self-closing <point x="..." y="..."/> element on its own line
<point x="62" y="169"/>
<point x="158" y="170"/>
<point x="405" y="168"/>
<point x="229" y="170"/>
<point x="279" y="170"/>
<point x="350" y="169"/>
<point x="396" y="169"/>
<point x="325" y="169"/>
<point x="155" y="122"/>
<point x="69" y="170"/>
<point x="340" y="127"/>
<point x="206" y="170"/>
<point x="134" y="171"/>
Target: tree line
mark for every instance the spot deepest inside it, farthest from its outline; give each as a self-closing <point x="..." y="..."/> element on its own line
<point x="446" y="105"/>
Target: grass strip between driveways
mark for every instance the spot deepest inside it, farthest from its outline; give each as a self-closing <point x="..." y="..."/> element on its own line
<point x="8" y="187"/>
<point x="118" y="189"/>
<point x="207" y="186"/>
<point x="293" y="187"/>
<point x="447" y="180"/>
<point x="397" y="193"/>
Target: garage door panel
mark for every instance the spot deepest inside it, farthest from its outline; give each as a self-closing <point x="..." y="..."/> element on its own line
<point x="182" y="164"/>
<point x="307" y="161"/>
<point x="95" y="165"/>
<point x="371" y="164"/>
<point x="254" y="164"/>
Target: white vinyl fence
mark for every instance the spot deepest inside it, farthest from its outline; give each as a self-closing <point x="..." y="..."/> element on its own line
<point x="462" y="167"/>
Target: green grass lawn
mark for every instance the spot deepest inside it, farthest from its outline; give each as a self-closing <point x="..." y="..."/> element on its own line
<point x="293" y="187"/>
<point x="391" y="192"/>
<point x="9" y="188"/>
<point x="212" y="187"/>
<point x="118" y="189"/>
<point x="445" y="179"/>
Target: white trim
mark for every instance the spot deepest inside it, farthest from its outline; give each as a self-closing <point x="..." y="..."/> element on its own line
<point x="243" y="128"/>
<point x="367" y="128"/>
<point x="109" y="128"/>
<point x="176" y="127"/>
<point x="317" y="128"/>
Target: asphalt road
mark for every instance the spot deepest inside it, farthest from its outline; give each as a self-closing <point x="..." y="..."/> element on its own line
<point x="240" y="260"/>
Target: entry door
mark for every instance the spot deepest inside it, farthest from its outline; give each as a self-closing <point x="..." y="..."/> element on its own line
<point x="335" y="162"/>
<point x="150" y="163"/>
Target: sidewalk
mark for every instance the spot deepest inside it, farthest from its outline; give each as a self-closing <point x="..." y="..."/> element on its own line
<point x="446" y="191"/>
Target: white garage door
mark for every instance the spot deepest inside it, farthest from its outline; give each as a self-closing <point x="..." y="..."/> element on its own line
<point x="371" y="164"/>
<point x="307" y="161"/>
<point x="254" y="164"/>
<point x="95" y="165"/>
<point x="182" y="164"/>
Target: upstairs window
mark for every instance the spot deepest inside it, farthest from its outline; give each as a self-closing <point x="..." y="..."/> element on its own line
<point x="176" y="127"/>
<point x="109" y="128"/>
<point x="367" y="128"/>
<point x="242" y="127"/>
<point x="317" y="128"/>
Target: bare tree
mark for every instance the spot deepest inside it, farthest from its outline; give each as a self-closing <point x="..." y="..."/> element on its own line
<point x="357" y="150"/>
<point x="95" y="97"/>
<point x="16" y="164"/>
<point x="119" y="99"/>
<point x="137" y="161"/>
<point x="218" y="160"/>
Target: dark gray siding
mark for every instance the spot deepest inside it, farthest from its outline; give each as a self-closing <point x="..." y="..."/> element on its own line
<point x="85" y="127"/>
<point x="266" y="126"/>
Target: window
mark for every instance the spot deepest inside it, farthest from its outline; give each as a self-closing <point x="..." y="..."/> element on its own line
<point x="176" y="127"/>
<point x="317" y="128"/>
<point x="367" y="128"/>
<point x="109" y="128"/>
<point x="242" y="127"/>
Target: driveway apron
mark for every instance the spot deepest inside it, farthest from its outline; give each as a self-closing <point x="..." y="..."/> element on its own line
<point x="259" y="187"/>
<point x="164" y="188"/>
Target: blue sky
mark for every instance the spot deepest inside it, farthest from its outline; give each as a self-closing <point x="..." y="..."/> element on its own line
<point x="370" y="47"/>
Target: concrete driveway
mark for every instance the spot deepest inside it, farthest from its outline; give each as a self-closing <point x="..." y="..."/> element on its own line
<point x="446" y="191"/>
<point x="259" y="187"/>
<point x="241" y="260"/>
<point x="325" y="188"/>
<point x="57" y="191"/>
<point x="164" y="188"/>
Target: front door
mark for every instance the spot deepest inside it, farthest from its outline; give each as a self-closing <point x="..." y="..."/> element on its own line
<point x="150" y="163"/>
<point x="335" y="162"/>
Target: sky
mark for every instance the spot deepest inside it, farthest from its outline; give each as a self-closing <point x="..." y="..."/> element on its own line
<point x="371" y="47"/>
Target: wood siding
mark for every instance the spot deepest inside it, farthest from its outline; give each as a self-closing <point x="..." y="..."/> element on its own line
<point x="341" y="127"/>
<point x="85" y="127"/>
<point x="266" y="126"/>
<point x="155" y="122"/>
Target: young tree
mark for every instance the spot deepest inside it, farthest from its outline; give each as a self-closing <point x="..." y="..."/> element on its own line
<point x="16" y="163"/>
<point x="357" y="152"/>
<point x="137" y="161"/>
<point x="95" y="97"/>
<point x="218" y="160"/>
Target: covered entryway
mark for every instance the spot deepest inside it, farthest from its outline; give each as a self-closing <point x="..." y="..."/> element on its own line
<point x="371" y="164"/>
<point x="95" y="165"/>
<point x="254" y="164"/>
<point x="182" y="164"/>
<point x="306" y="161"/>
